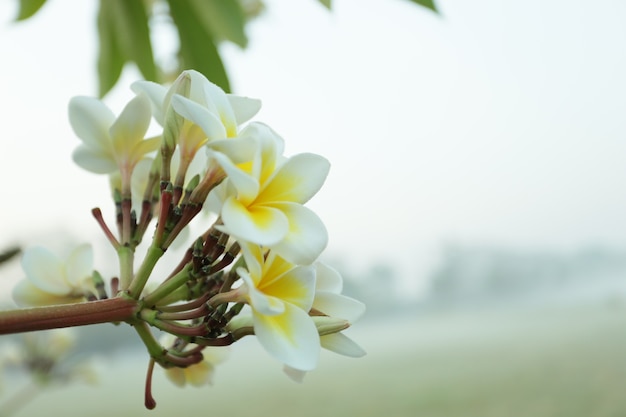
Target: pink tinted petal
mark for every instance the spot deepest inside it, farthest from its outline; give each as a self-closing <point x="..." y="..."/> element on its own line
<point x="290" y="337"/>
<point x="45" y="270"/>
<point x="339" y="306"/>
<point x="307" y="236"/>
<point x="297" y="180"/>
<point x="90" y="119"/>
<point x="342" y="344"/>
<point x="94" y="160"/>
<point x="260" y="225"/>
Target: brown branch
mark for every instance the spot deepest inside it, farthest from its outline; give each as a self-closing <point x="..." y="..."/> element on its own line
<point x="67" y="315"/>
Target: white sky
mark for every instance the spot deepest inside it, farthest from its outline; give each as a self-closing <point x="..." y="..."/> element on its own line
<point x="500" y="122"/>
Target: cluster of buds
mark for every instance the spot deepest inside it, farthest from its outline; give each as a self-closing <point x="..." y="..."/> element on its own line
<point x="253" y="271"/>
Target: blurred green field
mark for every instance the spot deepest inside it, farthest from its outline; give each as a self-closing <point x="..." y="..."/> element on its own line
<point x="531" y="362"/>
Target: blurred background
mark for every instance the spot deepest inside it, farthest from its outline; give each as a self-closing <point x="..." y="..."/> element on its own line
<point x="474" y="204"/>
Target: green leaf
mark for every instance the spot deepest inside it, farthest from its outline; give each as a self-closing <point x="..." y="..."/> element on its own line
<point x="197" y="46"/>
<point x="110" y="59"/>
<point x="224" y="18"/>
<point x="326" y="3"/>
<point x="123" y="36"/>
<point x="133" y="35"/>
<point x="429" y="4"/>
<point x="7" y="254"/>
<point x="28" y="8"/>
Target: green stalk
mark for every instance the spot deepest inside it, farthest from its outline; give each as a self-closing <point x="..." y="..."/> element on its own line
<point x="126" y="258"/>
<point x="155" y="349"/>
<point x="143" y="274"/>
<point x="168" y="286"/>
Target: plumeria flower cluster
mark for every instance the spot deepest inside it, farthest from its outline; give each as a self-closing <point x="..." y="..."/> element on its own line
<point x="253" y="271"/>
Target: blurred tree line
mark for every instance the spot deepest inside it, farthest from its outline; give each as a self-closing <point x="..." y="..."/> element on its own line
<point x="473" y="271"/>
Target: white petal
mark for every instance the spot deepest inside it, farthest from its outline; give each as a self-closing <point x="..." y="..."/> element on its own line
<point x="297" y="180"/>
<point x="307" y="236"/>
<point x="259" y="301"/>
<point x="217" y="96"/>
<point x="246" y="185"/>
<point x="131" y="125"/>
<point x="210" y="124"/>
<point x="197" y="91"/>
<point x="156" y="93"/>
<point x="45" y="270"/>
<point x="90" y="119"/>
<point x="295" y="375"/>
<point x="253" y="255"/>
<point x="260" y="225"/>
<point x="296" y="286"/>
<point x="270" y="148"/>
<point x="200" y="374"/>
<point x="290" y="337"/>
<point x="337" y="305"/>
<point x="244" y="107"/>
<point x="79" y="265"/>
<point x="238" y="150"/>
<point x="218" y="195"/>
<point x="176" y="376"/>
<point x="328" y="278"/>
<point x="342" y="344"/>
<point x="25" y="294"/>
<point x="93" y="160"/>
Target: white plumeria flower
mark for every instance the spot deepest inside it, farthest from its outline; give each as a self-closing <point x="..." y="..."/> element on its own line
<point x="52" y="280"/>
<point x="280" y="295"/>
<point x="329" y="301"/>
<point x="111" y="144"/>
<point x="232" y="109"/>
<point x="197" y="112"/>
<point x="200" y="373"/>
<point x="262" y="201"/>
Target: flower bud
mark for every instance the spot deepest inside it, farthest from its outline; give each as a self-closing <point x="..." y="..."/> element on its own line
<point x="329" y="325"/>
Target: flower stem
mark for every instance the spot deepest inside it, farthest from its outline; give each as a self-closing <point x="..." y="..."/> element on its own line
<point x="126" y="257"/>
<point x="67" y="315"/>
<point x="141" y="278"/>
<point x="168" y="286"/>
